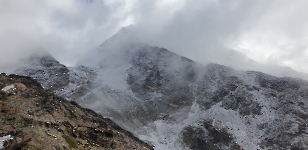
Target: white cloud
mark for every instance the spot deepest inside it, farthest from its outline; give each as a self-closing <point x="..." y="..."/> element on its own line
<point x="267" y="31"/>
<point x="277" y="36"/>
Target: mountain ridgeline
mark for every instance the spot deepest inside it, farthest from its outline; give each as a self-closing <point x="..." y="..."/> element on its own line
<point x="175" y="103"/>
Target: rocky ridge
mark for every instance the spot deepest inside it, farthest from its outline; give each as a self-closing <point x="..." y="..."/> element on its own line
<point x="35" y="118"/>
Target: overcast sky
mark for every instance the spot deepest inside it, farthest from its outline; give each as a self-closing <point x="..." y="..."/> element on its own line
<point x="267" y="31"/>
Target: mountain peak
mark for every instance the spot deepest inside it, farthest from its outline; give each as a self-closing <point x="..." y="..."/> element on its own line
<point x="124" y="36"/>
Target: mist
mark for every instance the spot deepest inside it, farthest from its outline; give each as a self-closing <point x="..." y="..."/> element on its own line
<point x="245" y="35"/>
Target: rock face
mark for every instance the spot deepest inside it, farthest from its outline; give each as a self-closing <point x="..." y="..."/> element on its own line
<point x="208" y="137"/>
<point x="34" y="118"/>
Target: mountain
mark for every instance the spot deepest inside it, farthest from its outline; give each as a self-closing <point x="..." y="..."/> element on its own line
<point x="34" y="118"/>
<point x="175" y="103"/>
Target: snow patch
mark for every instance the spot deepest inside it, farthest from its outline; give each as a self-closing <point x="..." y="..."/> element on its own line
<point x="3" y="139"/>
<point x="8" y="87"/>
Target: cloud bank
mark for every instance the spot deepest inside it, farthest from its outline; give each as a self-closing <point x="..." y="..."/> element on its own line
<point x="270" y="32"/>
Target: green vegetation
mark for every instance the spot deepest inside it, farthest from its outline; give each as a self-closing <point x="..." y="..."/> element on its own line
<point x="2" y="103"/>
<point x="29" y="147"/>
<point x="70" y="141"/>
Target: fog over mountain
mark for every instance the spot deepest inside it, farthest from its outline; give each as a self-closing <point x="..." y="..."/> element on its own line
<point x="220" y="55"/>
<point x="178" y="75"/>
<point x="271" y="33"/>
<point x="172" y="102"/>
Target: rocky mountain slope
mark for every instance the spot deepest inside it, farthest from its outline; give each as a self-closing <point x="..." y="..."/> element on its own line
<point x="34" y="118"/>
<point x="179" y="104"/>
<point x="176" y="103"/>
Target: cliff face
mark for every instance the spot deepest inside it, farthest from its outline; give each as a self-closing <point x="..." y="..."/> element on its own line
<point x="34" y="118"/>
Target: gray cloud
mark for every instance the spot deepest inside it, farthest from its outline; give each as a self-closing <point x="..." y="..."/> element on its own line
<point x="273" y="32"/>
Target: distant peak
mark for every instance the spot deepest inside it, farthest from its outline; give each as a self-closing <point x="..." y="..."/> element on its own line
<point x="126" y="29"/>
<point x="124" y="36"/>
